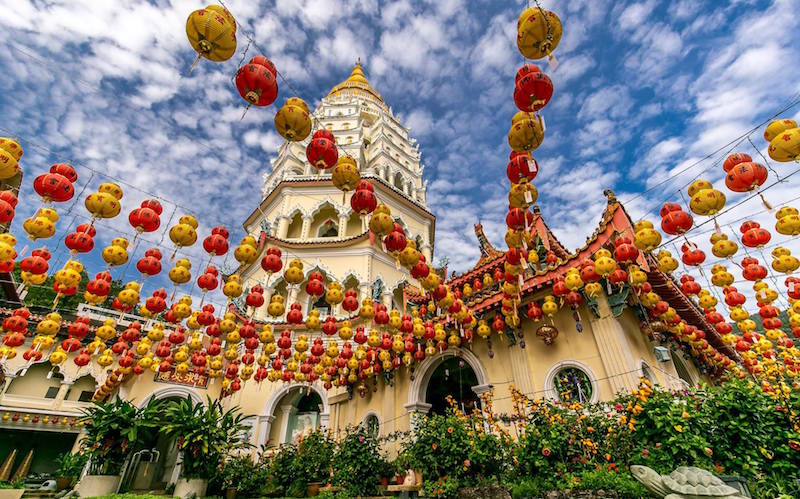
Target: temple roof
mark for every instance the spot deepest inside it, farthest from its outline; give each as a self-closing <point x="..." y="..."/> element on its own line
<point x="356" y="82"/>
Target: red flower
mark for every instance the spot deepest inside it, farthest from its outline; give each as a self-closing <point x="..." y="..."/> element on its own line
<point x="450" y="429"/>
<point x="645" y="452"/>
<point x="546" y="451"/>
<point x="433" y="445"/>
<point x="794" y="444"/>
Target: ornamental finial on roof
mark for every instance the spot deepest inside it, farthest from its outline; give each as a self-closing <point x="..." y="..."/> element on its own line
<point x="612" y="198"/>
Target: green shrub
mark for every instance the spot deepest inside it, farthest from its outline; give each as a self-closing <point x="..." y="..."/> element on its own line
<point x="358" y="463"/>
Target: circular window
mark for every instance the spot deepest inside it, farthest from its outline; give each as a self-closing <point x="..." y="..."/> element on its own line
<point x="372" y="424"/>
<point x="572" y="384"/>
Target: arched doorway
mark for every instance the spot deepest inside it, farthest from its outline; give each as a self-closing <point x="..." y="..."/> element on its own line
<point x="292" y="411"/>
<point x="456" y="372"/>
<point x="453" y="379"/>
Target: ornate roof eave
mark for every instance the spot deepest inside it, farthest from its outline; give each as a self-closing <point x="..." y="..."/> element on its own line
<point x="422" y="210"/>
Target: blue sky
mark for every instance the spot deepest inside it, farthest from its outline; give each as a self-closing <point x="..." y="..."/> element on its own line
<point x="643" y="90"/>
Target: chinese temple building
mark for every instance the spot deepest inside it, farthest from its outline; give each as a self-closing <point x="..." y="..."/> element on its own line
<point x="585" y="353"/>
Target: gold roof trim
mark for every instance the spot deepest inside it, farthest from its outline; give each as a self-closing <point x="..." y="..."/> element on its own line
<point x="356" y="81"/>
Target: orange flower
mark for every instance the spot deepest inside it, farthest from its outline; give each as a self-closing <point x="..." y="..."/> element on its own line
<point x="450" y="430"/>
<point x="433" y="446"/>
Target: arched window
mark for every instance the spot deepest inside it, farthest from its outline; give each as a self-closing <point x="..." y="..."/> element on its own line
<point x="572" y="384"/>
<point x="328" y="229"/>
<point x="323" y="306"/>
<point x="398" y="180"/>
<point x="372" y="424"/>
<point x="295" y="227"/>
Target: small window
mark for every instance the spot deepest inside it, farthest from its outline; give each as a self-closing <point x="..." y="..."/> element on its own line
<point x="372" y="424"/>
<point x="85" y="396"/>
<point x="51" y="392"/>
<point x="573" y="385"/>
<point x="329" y="229"/>
<point x="323" y="306"/>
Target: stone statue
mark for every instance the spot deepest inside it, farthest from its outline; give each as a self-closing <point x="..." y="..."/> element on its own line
<point x="686" y="482"/>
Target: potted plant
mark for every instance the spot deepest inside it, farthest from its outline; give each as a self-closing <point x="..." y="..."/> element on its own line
<point x="69" y="467"/>
<point x="205" y="435"/>
<point x="11" y="490"/>
<point x="113" y="432"/>
<point x="239" y="475"/>
<point x="314" y="455"/>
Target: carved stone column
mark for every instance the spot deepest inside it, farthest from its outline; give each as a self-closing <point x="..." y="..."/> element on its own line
<point x="614" y="348"/>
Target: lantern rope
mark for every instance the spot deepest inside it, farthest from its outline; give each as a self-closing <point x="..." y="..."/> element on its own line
<point x="730" y="208"/>
<point x="730" y="147"/>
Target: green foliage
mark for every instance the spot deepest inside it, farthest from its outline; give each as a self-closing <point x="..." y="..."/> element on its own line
<point x="620" y="482"/>
<point x="11" y="485"/>
<point x="314" y="456"/>
<point x="357" y="463"/>
<point x="283" y="469"/>
<point x="43" y="295"/>
<point x="457" y="447"/>
<point x="242" y="473"/>
<point x="69" y="464"/>
<point x="205" y="434"/>
<point x="115" y="430"/>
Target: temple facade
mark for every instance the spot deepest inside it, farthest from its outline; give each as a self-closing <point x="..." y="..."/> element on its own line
<point x="587" y="353"/>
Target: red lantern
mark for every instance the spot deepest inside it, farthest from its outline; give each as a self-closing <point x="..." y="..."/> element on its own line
<point x="146" y="218"/>
<point x="674" y="220"/>
<point x="733" y="298"/>
<point x="272" y="262"/>
<point x="753" y="236"/>
<point x="692" y="255"/>
<point x="321" y="152"/>
<point x="56" y="186"/>
<point x="395" y="241"/>
<point x="81" y="241"/>
<point x="216" y="244"/>
<point x="256" y="83"/>
<point x="516" y="218"/>
<point x="746" y="176"/>
<point x="689" y="286"/>
<point x="587" y="272"/>
<point x="295" y="314"/>
<point x="37" y="262"/>
<point x="573" y="299"/>
<point x="752" y="270"/>
<point x="534" y="311"/>
<point x="8" y="201"/>
<point x="521" y="167"/>
<point x="150" y="263"/>
<point x="618" y="277"/>
<point x="315" y="287"/>
<point x="255" y="298"/>
<point x="208" y="280"/>
<point x="100" y="285"/>
<point x="735" y="159"/>
<point x="158" y="302"/>
<point x="420" y="270"/>
<point x="533" y="89"/>
<point x="624" y="251"/>
<point x="793" y="287"/>
<point x="350" y="302"/>
<point x="330" y="327"/>
<point x="363" y="201"/>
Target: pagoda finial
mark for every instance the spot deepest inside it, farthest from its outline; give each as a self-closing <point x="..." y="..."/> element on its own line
<point x="358" y="61"/>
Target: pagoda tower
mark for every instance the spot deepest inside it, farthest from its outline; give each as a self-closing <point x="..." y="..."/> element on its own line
<point x="309" y="219"/>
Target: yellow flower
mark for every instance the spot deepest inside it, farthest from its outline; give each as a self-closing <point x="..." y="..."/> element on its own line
<point x="608" y="456"/>
<point x="678" y="428"/>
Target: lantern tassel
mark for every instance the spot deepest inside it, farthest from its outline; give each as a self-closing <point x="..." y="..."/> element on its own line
<point x="245" y="112"/>
<point x="766" y="203"/>
<point x="191" y="68"/>
<point x="717" y="228"/>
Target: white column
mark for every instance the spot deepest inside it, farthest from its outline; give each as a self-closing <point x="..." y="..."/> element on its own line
<point x="283" y="226"/>
<point x="306" y="228"/>
<point x="264" y="425"/>
<point x="62" y="393"/>
<point x="415" y="411"/>
<point x="4" y="388"/>
<point x="615" y="352"/>
<point x="342" y="225"/>
<point x="426" y="251"/>
<point x="364" y="291"/>
<point x="288" y="412"/>
<point x="387" y="299"/>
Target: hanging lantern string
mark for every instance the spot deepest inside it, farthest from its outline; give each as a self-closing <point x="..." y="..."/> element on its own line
<point x="252" y="41"/>
<point x="728" y="148"/>
<point x="766" y="161"/>
<point x="748" y="198"/>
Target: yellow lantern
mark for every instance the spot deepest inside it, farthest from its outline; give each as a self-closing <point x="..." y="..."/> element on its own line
<point x="184" y="233"/>
<point x="69" y="276"/>
<point x="367" y="311"/>
<point x="129" y="295"/>
<point x="333" y="295"/>
<point x="345" y="175"/>
<point x="776" y="127"/>
<point x="8" y="165"/>
<point x="247" y="251"/>
<point x="785" y="146"/>
<point x="706" y="300"/>
<point x="58" y="357"/>
<point x="593" y="289"/>
<point x="212" y="33"/>
<point x="105" y="202"/>
<point x="312" y="320"/>
<point x="233" y="287"/>
<point x="292" y="120"/>
<point x="549" y="306"/>
<point x="380" y="222"/>
<point x="180" y="273"/>
<point x="572" y="279"/>
<point x="604" y="264"/>
<point x="783" y="261"/>
<point x="294" y="272"/>
<point x="666" y="263"/>
<point x="409" y="256"/>
<point x="788" y="222"/>
<point x="705" y="200"/>
<point x="722" y="246"/>
<point x="646" y="238"/>
<point x="526" y="132"/>
<point x="276" y="307"/>
<point x="42" y="225"/>
<point x="50" y="325"/>
<point x="431" y="281"/>
<point x="12" y="147"/>
<point x="538" y="32"/>
<point x="522" y="195"/>
<point x="636" y="276"/>
<point x="116" y="253"/>
<point x="346" y="330"/>
<point x="720" y="276"/>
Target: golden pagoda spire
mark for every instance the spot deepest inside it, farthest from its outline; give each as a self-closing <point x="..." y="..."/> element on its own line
<point x="356" y="82"/>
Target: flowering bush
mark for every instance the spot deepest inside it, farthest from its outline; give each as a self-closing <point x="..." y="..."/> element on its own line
<point x="358" y="463"/>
